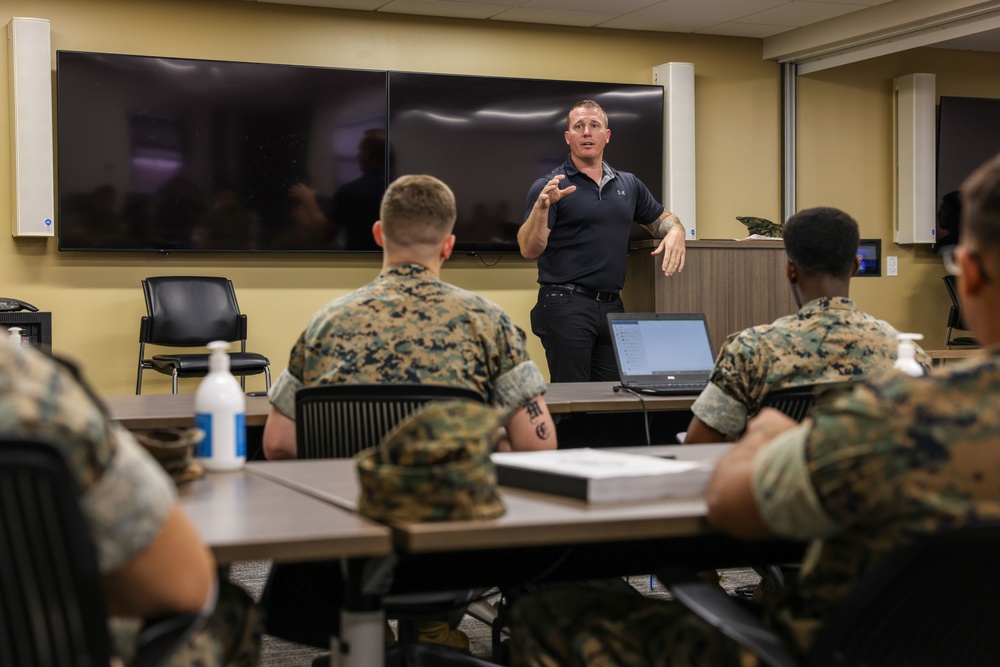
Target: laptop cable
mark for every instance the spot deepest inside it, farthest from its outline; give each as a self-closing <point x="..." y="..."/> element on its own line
<point x="645" y="410"/>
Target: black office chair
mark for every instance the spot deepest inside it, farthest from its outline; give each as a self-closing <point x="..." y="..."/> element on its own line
<point x="887" y="621"/>
<point x="797" y="401"/>
<point x="335" y="421"/>
<point x="955" y="317"/>
<point x="52" y="610"/>
<point x="192" y="311"/>
<point x="338" y="421"/>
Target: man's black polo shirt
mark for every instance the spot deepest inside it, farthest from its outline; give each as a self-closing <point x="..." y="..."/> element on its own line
<point x="589" y="229"/>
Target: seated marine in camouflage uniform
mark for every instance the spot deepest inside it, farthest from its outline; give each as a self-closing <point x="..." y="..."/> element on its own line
<point x="410" y="327"/>
<point x="871" y="470"/>
<point x="152" y="561"/>
<point x="827" y="340"/>
<point x="405" y="327"/>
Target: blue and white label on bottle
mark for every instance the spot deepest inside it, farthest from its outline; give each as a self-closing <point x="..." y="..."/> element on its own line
<point x="206" y="448"/>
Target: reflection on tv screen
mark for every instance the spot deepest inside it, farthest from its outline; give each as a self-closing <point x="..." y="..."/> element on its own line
<point x="173" y="154"/>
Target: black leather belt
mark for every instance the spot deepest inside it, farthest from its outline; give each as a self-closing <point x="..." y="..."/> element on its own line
<point x="589" y="293"/>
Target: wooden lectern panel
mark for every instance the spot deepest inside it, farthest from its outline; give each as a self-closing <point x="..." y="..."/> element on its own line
<point x="737" y="284"/>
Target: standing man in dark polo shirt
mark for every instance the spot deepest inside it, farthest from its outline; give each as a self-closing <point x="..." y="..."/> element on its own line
<point x="579" y="234"/>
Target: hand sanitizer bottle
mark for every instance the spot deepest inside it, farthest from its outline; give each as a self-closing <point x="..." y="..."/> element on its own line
<point x="906" y="355"/>
<point x="220" y="408"/>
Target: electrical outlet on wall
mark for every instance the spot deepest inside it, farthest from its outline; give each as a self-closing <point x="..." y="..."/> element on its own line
<point x="891" y="266"/>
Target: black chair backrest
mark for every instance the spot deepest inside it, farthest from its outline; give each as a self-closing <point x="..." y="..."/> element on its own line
<point x="52" y="610"/>
<point x="929" y="604"/>
<point x="797" y="402"/>
<point x="188" y="311"/>
<point x="338" y="421"/>
<point x="955" y="314"/>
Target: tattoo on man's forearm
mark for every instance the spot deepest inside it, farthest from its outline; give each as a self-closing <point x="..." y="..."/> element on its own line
<point x="542" y="431"/>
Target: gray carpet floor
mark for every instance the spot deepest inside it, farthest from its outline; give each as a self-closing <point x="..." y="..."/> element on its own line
<point x="251" y="575"/>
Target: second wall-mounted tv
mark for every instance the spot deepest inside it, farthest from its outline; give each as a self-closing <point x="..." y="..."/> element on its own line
<point x="183" y="155"/>
<point x="968" y="136"/>
<point x="489" y="138"/>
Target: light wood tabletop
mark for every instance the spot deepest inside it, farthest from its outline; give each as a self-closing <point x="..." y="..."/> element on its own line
<point x="148" y="411"/>
<point x="532" y="519"/>
<point x="241" y="516"/>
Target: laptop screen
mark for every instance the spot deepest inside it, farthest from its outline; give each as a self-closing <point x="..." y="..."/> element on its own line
<point x="651" y="344"/>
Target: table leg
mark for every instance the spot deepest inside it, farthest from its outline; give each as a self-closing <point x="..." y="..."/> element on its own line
<point x="362" y="641"/>
<point x="362" y="618"/>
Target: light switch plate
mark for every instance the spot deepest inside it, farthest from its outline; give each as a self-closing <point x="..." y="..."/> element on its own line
<point x="891" y="266"/>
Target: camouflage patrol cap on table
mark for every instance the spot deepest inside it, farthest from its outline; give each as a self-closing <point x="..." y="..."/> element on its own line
<point x="434" y="466"/>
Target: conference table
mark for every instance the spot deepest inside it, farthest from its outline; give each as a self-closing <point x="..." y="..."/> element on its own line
<point x="302" y="510"/>
<point x="147" y="411"/>
<point x="541" y="537"/>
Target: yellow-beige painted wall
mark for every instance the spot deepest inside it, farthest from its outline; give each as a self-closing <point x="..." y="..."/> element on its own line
<point x="844" y="157"/>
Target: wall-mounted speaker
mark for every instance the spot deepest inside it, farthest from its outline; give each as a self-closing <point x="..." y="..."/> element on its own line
<point x="677" y="80"/>
<point x="914" y="104"/>
<point x="30" y="77"/>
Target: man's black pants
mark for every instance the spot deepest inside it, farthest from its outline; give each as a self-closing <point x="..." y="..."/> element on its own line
<point x="574" y="331"/>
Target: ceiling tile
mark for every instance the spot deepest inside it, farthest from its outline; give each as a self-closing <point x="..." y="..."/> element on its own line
<point x="735" y="29"/>
<point x="332" y="4"/>
<point x="554" y="16"/>
<point x="689" y="15"/>
<point x="601" y="6"/>
<point x="459" y="10"/>
<point x="797" y="14"/>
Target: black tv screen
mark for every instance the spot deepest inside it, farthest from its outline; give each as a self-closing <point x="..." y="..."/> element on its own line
<point x="173" y="154"/>
<point x="489" y="138"/>
<point x="968" y="136"/>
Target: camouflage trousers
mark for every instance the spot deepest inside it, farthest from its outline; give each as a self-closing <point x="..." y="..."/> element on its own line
<point x="578" y="625"/>
<point x="230" y="637"/>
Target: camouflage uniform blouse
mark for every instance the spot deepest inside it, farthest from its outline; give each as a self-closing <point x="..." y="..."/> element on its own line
<point x="896" y="458"/>
<point x="126" y="495"/>
<point x="408" y="326"/>
<point x="828" y="340"/>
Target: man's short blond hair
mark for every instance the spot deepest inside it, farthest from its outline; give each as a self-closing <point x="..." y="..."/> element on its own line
<point x="586" y="104"/>
<point x="417" y="210"/>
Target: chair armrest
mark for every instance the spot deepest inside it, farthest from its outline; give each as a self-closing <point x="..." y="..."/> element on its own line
<point x="710" y="603"/>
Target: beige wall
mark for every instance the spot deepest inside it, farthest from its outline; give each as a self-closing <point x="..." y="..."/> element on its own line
<point x="96" y="298"/>
<point x="844" y="155"/>
<point x="845" y="160"/>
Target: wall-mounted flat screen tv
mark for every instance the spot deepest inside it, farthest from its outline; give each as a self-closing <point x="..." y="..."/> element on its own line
<point x="173" y="154"/>
<point x="489" y="138"/>
<point x="968" y="135"/>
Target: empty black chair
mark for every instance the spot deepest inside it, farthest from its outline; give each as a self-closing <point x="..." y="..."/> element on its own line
<point x="192" y="311"/>
<point x="947" y="619"/>
<point x="797" y="402"/>
<point x="52" y="610"/>
<point x="339" y="420"/>
<point x="955" y="317"/>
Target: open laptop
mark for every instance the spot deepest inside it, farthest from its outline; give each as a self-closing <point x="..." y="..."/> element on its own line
<point x="662" y="353"/>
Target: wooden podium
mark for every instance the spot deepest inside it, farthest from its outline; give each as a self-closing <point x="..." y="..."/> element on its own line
<point x="737" y="284"/>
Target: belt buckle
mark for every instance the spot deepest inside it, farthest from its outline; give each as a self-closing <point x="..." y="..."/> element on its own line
<point x="608" y="295"/>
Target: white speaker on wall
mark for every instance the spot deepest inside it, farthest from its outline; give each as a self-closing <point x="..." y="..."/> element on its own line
<point x="677" y="80"/>
<point x="914" y="104"/>
<point x="30" y="77"/>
